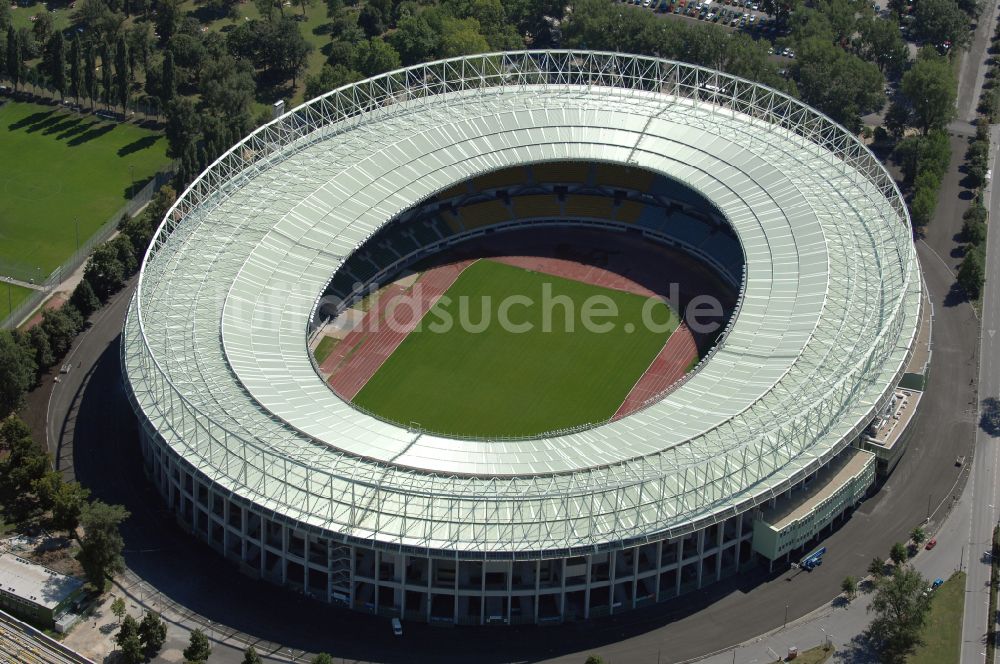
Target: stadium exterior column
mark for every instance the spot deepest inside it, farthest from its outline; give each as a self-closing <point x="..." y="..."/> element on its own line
<point x="538" y="575"/>
<point x="482" y="593"/>
<point x="378" y="567"/>
<point x="739" y="538"/>
<point x="430" y="575"/>
<point x="510" y="588"/>
<point x="680" y="563"/>
<point x="562" y="590"/>
<point x="720" y="540"/>
<point x="285" y="533"/>
<point x="350" y="591"/>
<point x="586" y="594"/>
<point x="613" y="564"/>
<point x="635" y="575"/>
<point x="701" y="553"/>
<point x="659" y="569"/>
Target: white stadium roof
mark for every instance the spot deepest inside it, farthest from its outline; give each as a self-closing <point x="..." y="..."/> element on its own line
<point x="216" y="339"/>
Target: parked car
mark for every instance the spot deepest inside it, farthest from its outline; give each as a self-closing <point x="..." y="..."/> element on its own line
<point x="937" y="583"/>
<point x="931" y="543"/>
<point x="397" y="627"/>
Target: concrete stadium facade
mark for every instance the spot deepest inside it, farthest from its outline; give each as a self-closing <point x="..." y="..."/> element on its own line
<point x="257" y="457"/>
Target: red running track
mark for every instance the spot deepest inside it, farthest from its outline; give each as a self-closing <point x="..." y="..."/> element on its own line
<point x="669" y="365"/>
<point x="383" y="328"/>
<point x="588" y="274"/>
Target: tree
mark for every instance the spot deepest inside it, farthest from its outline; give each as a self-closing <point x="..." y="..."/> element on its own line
<point x="198" y="648"/>
<point x="879" y="41"/>
<point x="55" y="62"/>
<point x="152" y="633"/>
<point x="922" y="206"/>
<point x="75" y="73"/>
<point x="38" y="339"/>
<point x="127" y="639"/>
<point x="168" y="17"/>
<point x="101" y="547"/>
<point x="84" y="298"/>
<point x="121" y="73"/>
<point x="118" y="608"/>
<point x="322" y="658"/>
<point x="849" y="586"/>
<point x="90" y="74"/>
<point x="414" y="39"/>
<point x="265" y="8"/>
<point x="183" y="126"/>
<point x="900" y="609"/>
<point x="375" y="56"/>
<point x="43" y="27"/>
<point x="303" y="5"/>
<point x="938" y="21"/>
<point x="972" y="272"/>
<point x="15" y="56"/>
<point x="918" y="535"/>
<point x="17" y="373"/>
<point x="329" y="78"/>
<point x="594" y="659"/>
<point x="896" y="119"/>
<point x="107" y="76"/>
<point x="930" y="88"/>
<point x="840" y="84"/>
<point x="250" y="656"/>
<point x="64" y="499"/>
<point x="24" y="465"/>
<point x="168" y="80"/>
<point x="898" y="554"/>
<point x="61" y="327"/>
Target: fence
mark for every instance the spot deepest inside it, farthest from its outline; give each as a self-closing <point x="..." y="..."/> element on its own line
<point x="71" y="264"/>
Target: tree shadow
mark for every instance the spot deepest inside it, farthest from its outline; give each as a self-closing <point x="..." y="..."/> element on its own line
<point x="859" y="651"/>
<point x="66" y="123"/>
<point x="958" y="251"/>
<point x="324" y="29"/>
<point x="989" y="421"/>
<point x="967" y="194"/>
<point x="91" y="134"/>
<point x="129" y="191"/>
<point x="78" y="129"/>
<point x="956" y="296"/>
<point x="30" y="120"/>
<point x="137" y="145"/>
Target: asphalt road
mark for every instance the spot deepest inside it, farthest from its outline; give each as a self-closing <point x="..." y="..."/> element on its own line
<point x="985" y="470"/>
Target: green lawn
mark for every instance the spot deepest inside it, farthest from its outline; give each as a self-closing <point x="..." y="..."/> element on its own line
<point x="10" y="297"/>
<point x="942" y="634"/>
<point x="67" y="168"/>
<point x="499" y="382"/>
<point x="324" y="348"/>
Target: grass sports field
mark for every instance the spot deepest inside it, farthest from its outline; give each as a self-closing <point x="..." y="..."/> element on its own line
<point x="63" y="167"/>
<point x="504" y="383"/>
<point x="10" y="297"/>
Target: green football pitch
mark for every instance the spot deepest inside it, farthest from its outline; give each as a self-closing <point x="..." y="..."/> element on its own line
<point x="499" y="382"/>
<point x="10" y="297"/>
<point x="61" y="171"/>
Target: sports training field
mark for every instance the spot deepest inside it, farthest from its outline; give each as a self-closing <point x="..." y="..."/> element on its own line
<point x="498" y="382"/>
<point x="11" y="296"/>
<point x="59" y="167"/>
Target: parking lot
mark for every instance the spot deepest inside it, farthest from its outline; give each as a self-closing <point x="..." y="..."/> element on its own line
<point x="742" y="15"/>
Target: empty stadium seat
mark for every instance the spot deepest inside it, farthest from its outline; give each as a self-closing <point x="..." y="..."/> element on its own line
<point x="541" y="205"/>
<point x="595" y="207"/>
<point x="482" y="214"/>
<point x="561" y="172"/>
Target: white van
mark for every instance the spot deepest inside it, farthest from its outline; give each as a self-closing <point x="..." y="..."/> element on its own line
<point x="397" y="627"/>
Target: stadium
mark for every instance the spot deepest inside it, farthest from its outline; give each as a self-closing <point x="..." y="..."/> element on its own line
<point x="745" y="448"/>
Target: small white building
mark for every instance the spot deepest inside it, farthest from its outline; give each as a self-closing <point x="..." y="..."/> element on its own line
<point x="36" y="593"/>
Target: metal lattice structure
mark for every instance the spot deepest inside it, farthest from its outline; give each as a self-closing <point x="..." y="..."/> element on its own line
<point x="215" y="351"/>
